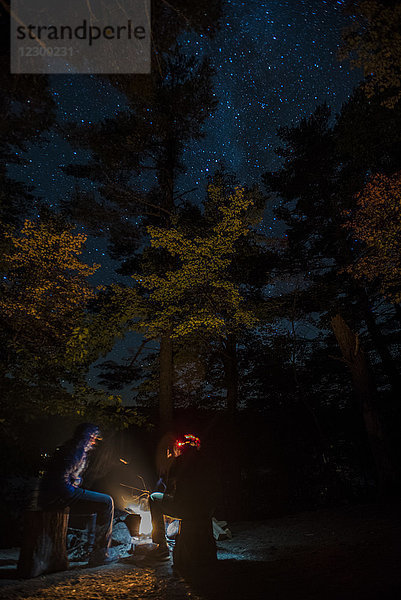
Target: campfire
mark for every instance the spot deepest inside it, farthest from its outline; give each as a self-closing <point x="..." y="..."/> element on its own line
<point x="137" y="504"/>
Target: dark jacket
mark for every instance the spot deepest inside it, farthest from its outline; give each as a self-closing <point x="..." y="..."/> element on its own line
<point x="61" y="480"/>
<point x="192" y="484"/>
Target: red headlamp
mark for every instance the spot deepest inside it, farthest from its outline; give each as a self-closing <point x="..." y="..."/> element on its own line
<point x="189" y="440"/>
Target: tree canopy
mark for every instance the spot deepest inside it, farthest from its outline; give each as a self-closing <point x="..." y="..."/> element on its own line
<point x="373" y="43"/>
<point x="199" y="295"/>
<point x="376" y="225"/>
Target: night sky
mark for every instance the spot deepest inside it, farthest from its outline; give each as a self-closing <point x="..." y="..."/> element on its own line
<point x="275" y="61"/>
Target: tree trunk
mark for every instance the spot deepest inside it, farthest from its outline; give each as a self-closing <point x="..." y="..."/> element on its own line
<point x="43" y="547"/>
<point x="321" y="438"/>
<point x="232" y="454"/>
<point x="166" y="383"/>
<point x="387" y="360"/>
<point x="230" y="363"/>
<point x="365" y="390"/>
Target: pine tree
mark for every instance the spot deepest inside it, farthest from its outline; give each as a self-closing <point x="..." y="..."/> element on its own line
<point x="324" y="167"/>
<point x="137" y="156"/>
<point x="207" y="297"/>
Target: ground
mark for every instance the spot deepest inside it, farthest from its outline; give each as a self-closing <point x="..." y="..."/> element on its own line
<point x="350" y="552"/>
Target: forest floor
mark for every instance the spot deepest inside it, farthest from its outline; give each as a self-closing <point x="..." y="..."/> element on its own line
<point x="346" y="553"/>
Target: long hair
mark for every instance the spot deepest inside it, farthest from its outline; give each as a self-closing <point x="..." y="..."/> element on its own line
<point x="77" y="447"/>
<point x="84" y="431"/>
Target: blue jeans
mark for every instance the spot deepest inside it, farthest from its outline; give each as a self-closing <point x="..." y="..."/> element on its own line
<point x="86" y="502"/>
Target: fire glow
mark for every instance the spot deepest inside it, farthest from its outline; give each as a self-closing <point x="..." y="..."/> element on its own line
<point x="145" y="528"/>
<point x="138" y="504"/>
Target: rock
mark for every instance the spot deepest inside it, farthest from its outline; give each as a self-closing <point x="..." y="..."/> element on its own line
<point x="220" y="530"/>
<point x="120" y="534"/>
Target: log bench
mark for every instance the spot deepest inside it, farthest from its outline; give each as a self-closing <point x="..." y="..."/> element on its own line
<point x="195" y="546"/>
<point x="44" y="547"/>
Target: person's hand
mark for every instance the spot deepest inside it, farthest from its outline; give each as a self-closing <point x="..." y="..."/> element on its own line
<point x="77" y="481"/>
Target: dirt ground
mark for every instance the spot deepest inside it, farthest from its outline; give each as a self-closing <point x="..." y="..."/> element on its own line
<point x="348" y="553"/>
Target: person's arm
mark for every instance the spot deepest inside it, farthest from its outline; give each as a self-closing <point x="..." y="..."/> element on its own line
<point x="74" y="466"/>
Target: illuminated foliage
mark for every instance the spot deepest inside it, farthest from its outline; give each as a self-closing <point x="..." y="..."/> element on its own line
<point x="377" y="224"/>
<point x="43" y="295"/>
<point x="43" y="301"/>
<point x="117" y="313"/>
<point x="45" y="284"/>
<point x="199" y="294"/>
<point x="373" y="43"/>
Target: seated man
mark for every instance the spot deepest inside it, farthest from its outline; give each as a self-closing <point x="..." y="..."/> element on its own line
<point x="190" y="492"/>
<point x="59" y="488"/>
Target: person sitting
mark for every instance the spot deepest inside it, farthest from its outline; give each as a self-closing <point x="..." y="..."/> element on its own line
<point x="190" y="492"/>
<point x="60" y="488"/>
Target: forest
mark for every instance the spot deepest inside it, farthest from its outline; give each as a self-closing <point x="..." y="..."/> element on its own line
<point x="262" y="315"/>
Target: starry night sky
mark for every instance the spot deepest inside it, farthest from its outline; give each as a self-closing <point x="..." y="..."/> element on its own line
<point x="275" y="61"/>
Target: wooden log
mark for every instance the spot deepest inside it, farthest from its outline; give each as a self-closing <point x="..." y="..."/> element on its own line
<point x="43" y="548"/>
<point x="195" y="545"/>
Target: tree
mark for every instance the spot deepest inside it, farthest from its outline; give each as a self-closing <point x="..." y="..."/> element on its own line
<point x="361" y="372"/>
<point x="323" y="168"/>
<point x="46" y="282"/>
<point x="376" y="225"/>
<point x="321" y="174"/>
<point x="198" y="298"/>
<point x="42" y="298"/>
<point x="199" y="295"/>
<point x="27" y="110"/>
<point x="137" y="156"/>
<point x="373" y="43"/>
